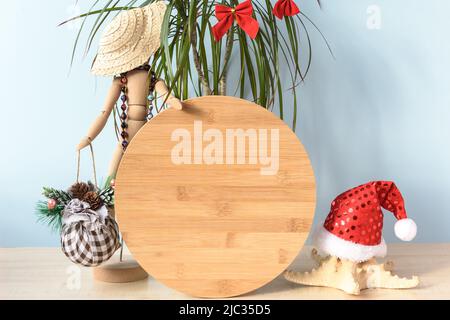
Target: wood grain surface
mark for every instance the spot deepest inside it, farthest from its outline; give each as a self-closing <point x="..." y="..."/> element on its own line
<point x="214" y="230"/>
<point x="46" y="273"/>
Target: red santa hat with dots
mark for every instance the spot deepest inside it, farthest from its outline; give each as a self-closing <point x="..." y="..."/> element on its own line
<point x="353" y="228"/>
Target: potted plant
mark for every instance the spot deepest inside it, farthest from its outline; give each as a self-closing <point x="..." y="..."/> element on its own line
<point x="197" y="45"/>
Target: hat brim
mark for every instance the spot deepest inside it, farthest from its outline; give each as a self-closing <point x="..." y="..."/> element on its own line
<point x="332" y="245"/>
<point x="111" y="60"/>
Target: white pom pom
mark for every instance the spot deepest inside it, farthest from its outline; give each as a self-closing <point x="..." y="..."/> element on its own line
<point x="405" y="229"/>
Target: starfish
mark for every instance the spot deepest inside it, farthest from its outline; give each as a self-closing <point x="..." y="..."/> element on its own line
<point x="350" y="276"/>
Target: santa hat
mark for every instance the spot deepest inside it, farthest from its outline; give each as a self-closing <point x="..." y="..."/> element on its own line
<point x="353" y="228"/>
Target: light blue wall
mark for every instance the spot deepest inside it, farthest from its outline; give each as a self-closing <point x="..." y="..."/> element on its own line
<point x="380" y="110"/>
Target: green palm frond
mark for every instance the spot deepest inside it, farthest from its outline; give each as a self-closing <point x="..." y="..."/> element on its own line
<point x="193" y="64"/>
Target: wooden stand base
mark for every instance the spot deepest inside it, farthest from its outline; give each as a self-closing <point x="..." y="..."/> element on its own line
<point x="116" y="271"/>
<point x="350" y="276"/>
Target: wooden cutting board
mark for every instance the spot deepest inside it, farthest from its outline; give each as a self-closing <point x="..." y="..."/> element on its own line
<point x="209" y="218"/>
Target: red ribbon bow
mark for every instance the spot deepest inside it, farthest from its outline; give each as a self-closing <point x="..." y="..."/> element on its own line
<point x="285" y="8"/>
<point x="243" y="15"/>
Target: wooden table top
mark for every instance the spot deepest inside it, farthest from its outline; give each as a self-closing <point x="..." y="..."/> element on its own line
<point x="45" y="273"/>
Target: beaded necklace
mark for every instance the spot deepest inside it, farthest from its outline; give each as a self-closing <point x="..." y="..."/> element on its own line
<point x="124" y="99"/>
<point x="151" y="95"/>
<point x="124" y="108"/>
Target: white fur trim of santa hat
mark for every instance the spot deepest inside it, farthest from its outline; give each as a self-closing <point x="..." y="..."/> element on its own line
<point x="405" y="229"/>
<point x="330" y="244"/>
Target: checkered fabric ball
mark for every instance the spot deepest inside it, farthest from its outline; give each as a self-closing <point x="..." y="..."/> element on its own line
<point x="90" y="244"/>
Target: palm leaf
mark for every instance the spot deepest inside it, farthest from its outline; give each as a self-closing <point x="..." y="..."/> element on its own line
<point x="186" y="30"/>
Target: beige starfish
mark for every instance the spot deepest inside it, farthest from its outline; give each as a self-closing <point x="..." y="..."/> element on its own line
<point x="350" y="276"/>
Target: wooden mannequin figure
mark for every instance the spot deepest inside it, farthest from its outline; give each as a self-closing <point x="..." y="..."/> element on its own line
<point x="126" y="46"/>
<point x="138" y="90"/>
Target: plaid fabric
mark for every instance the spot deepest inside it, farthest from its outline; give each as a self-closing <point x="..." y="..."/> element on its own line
<point x="90" y="244"/>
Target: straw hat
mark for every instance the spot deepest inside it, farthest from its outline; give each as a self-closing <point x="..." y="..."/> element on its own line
<point x="129" y="40"/>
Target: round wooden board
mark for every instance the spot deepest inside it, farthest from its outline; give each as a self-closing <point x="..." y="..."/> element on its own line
<point x="214" y="230"/>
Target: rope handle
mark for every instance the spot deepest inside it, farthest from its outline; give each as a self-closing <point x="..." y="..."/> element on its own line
<point x="93" y="164"/>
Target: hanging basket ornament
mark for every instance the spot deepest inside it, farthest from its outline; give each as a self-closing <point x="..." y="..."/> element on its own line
<point x="89" y="236"/>
<point x="84" y="216"/>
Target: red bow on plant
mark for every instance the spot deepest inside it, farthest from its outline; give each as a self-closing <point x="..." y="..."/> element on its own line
<point x="243" y="15"/>
<point x="285" y="8"/>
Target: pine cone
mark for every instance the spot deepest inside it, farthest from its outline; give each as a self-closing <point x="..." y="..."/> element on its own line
<point x="93" y="199"/>
<point x="78" y="190"/>
<point x="92" y="186"/>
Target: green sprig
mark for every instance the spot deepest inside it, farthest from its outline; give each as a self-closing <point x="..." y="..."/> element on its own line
<point x="50" y="217"/>
<point x="107" y="196"/>
<point x="60" y="196"/>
